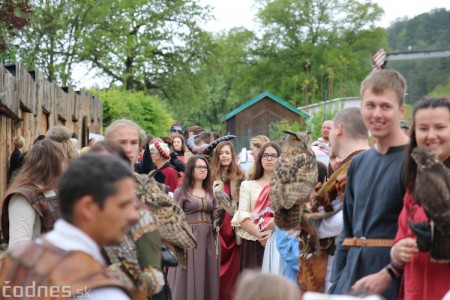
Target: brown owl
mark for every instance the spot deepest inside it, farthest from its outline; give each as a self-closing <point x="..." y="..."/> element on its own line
<point x="432" y="188"/>
<point x="174" y="229"/>
<point x="223" y="199"/>
<point x="293" y="180"/>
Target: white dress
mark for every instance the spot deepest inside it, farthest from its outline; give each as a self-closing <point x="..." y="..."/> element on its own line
<point x="272" y="261"/>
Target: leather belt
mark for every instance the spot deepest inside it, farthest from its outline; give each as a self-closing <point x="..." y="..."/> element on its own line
<point x="363" y="242"/>
<point x="199" y="222"/>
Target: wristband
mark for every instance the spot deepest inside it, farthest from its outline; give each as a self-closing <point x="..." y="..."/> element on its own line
<point x="390" y="272"/>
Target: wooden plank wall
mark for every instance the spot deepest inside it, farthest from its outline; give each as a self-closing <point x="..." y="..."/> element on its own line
<point x="30" y="105"/>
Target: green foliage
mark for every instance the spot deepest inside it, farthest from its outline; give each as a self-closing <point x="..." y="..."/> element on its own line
<point x="276" y="129"/>
<point x="426" y="31"/>
<point x="314" y="124"/>
<point x="147" y="111"/>
<point x="441" y="90"/>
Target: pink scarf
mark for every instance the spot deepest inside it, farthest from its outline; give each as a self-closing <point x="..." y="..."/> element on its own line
<point x="262" y="214"/>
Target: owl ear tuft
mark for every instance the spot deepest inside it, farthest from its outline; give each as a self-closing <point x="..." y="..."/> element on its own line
<point x="289" y="132"/>
<point x="151" y="175"/>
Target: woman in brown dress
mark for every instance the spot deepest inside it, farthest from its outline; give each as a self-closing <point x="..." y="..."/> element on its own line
<point x="200" y="280"/>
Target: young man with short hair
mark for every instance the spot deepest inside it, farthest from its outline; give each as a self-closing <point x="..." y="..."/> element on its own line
<point x="374" y="192"/>
<point x="97" y="204"/>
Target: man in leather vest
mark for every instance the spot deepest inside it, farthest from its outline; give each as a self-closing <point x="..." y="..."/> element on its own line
<point x="97" y="202"/>
<point x="348" y="137"/>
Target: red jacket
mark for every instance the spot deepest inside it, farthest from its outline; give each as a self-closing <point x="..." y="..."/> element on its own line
<point x="422" y="278"/>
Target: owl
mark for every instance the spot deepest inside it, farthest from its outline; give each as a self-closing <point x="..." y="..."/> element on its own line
<point x="432" y="188"/>
<point x="223" y="199"/>
<point x="293" y="180"/>
<point x="174" y="229"/>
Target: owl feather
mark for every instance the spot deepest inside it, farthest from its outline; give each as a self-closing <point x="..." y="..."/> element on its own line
<point x="293" y="180"/>
<point x="222" y="198"/>
<point x="174" y="229"/>
<point x="432" y="188"/>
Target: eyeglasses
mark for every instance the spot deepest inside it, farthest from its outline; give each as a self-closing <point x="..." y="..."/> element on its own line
<point x="201" y="168"/>
<point x="271" y="156"/>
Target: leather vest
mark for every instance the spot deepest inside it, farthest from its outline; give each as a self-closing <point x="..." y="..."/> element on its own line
<point x="43" y="271"/>
<point x="46" y="207"/>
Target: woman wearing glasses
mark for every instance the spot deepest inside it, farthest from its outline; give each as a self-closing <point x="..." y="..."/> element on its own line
<point x="200" y="280"/>
<point x="254" y="239"/>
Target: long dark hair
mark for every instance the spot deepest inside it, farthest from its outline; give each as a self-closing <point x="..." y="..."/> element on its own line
<point x="188" y="182"/>
<point x="411" y="166"/>
<point x="258" y="168"/>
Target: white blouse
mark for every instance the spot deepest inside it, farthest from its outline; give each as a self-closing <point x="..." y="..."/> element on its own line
<point x="248" y="194"/>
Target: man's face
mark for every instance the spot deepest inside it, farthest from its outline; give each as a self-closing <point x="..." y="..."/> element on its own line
<point x="326" y="128"/>
<point x="129" y="139"/>
<point x="381" y="113"/>
<point x="118" y="212"/>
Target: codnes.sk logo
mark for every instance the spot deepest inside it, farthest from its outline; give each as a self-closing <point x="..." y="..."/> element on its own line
<point x="40" y="291"/>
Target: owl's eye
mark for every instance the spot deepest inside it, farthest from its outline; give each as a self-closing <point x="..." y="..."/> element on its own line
<point x="297" y="139"/>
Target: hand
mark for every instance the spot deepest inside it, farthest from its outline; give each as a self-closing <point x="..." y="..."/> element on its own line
<point x="404" y="250"/>
<point x="264" y="237"/>
<point x="375" y="283"/>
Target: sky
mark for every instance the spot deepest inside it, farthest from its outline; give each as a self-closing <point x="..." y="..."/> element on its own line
<point x="233" y="13"/>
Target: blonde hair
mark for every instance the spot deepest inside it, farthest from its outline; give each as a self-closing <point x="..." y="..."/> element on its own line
<point x="63" y="135"/>
<point x="19" y="142"/>
<point x="109" y="131"/>
<point x="382" y="80"/>
<point x="259" y="140"/>
<point x="265" y="286"/>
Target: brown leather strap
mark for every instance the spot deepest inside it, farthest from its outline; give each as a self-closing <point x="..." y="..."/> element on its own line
<point x="363" y="242"/>
<point x="199" y="222"/>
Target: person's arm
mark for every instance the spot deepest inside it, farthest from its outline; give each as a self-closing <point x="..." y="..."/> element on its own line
<point x="242" y="217"/>
<point x="178" y="164"/>
<point x="22" y="219"/>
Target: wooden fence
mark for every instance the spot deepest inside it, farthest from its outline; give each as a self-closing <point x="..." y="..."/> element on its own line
<point x="30" y="105"/>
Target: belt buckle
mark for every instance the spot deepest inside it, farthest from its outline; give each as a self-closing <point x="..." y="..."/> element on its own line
<point x="364" y="241"/>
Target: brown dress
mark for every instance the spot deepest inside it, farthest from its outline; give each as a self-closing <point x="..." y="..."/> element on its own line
<point x="200" y="280"/>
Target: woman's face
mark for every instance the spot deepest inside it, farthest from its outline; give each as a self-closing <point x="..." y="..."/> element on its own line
<point x="225" y="156"/>
<point x="254" y="150"/>
<point x="177" y="143"/>
<point x="432" y="129"/>
<point x="200" y="170"/>
<point x="269" y="158"/>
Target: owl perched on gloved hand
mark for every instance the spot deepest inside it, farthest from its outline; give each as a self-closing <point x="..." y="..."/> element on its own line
<point x="432" y="188"/>
<point x="293" y="180"/>
<point x="174" y="229"/>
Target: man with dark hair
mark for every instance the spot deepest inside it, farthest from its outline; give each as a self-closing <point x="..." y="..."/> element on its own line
<point x="348" y="137"/>
<point x="98" y="203"/>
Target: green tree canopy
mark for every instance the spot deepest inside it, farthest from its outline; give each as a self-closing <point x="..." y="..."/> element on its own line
<point x="147" y="111"/>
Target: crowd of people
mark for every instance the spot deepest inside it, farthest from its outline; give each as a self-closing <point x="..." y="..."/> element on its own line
<point x="85" y="224"/>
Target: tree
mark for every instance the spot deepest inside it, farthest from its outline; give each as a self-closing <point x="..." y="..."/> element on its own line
<point x="52" y="41"/>
<point x="14" y="16"/>
<point x="143" y="43"/>
<point x="147" y="111"/>
<point x="335" y="37"/>
<point x="426" y="31"/>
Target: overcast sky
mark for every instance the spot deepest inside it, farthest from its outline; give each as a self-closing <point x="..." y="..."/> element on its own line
<point x="232" y="13"/>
